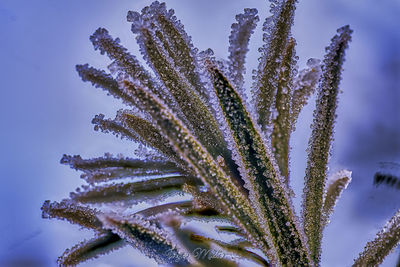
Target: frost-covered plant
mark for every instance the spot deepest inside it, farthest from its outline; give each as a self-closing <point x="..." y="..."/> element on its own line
<point x="207" y="142"/>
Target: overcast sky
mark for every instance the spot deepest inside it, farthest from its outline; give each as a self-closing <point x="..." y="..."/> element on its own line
<point x="46" y="111"/>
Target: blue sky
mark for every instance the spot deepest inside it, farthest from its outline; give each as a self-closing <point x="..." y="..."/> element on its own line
<point x="47" y="110"/>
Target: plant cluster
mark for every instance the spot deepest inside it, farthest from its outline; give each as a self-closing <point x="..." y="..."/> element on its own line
<point x="201" y="139"/>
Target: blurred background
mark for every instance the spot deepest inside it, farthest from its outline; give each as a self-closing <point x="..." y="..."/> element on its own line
<point x="47" y="111"/>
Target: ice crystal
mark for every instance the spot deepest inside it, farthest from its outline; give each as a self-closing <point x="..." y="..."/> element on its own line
<point x="199" y="138"/>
